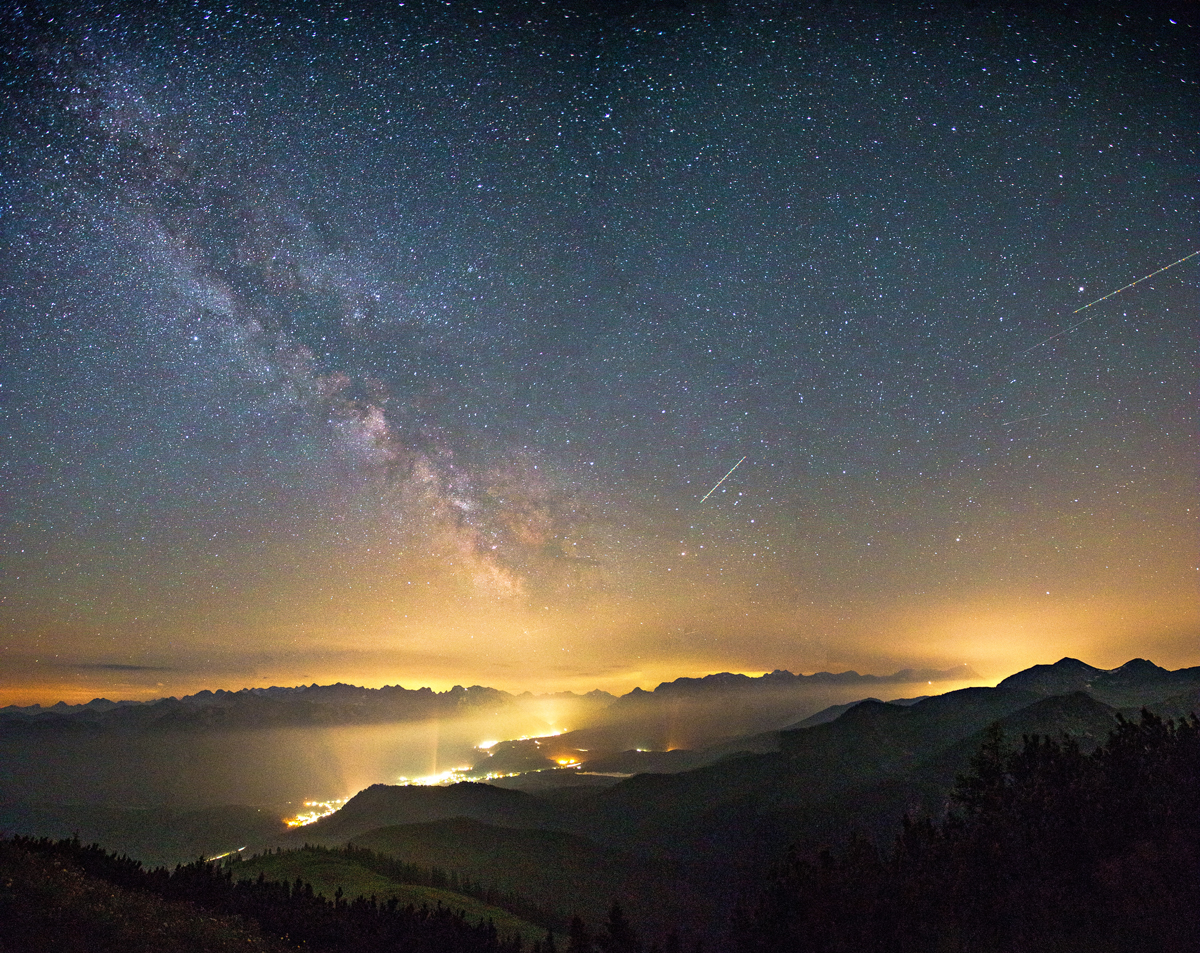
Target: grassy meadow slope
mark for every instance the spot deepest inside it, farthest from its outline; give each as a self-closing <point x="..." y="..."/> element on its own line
<point x="331" y="871"/>
<point x="561" y="872"/>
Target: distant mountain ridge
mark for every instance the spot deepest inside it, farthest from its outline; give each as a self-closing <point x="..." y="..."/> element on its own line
<point x="341" y="703"/>
<point x="338" y="691"/>
<point x="342" y="693"/>
<point x="310" y="705"/>
<point x="781" y="679"/>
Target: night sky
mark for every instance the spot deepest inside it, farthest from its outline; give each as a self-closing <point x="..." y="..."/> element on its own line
<point x="403" y="348"/>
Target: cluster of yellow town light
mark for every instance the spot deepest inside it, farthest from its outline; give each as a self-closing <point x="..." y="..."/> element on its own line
<point x="496" y="775"/>
<point x="536" y="739"/>
<point x="450" y="776"/>
<point x="314" y="811"/>
<point x="457" y="775"/>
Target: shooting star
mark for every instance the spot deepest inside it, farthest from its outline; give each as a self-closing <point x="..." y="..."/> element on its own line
<point x="1009" y="423"/>
<point x="722" y="480"/>
<point x="1105" y="298"/>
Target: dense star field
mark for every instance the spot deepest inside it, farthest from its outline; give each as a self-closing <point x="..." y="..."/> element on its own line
<point x="403" y="347"/>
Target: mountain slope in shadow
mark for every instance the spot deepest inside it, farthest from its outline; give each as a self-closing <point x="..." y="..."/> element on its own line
<point x="383" y="805"/>
<point x="816" y="768"/>
<point x="719" y="828"/>
<point x="562" y="873"/>
<point x="1136" y="683"/>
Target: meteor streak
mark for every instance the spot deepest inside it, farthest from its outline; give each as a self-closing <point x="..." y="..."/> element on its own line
<point x="720" y="481"/>
<point x="1006" y="370"/>
<point x="1009" y="423"/>
<point x="1105" y="298"/>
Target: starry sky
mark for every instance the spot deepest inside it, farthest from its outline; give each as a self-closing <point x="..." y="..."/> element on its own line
<point x="404" y="348"/>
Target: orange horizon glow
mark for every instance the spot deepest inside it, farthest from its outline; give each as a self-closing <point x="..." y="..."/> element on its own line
<point x="996" y="634"/>
<point x="48" y="695"/>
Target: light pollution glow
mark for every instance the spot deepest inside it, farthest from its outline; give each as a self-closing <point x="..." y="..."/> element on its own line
<point x="295" y="393"/>
<point x="995" y="634"/>
<point x="315" y="810"/>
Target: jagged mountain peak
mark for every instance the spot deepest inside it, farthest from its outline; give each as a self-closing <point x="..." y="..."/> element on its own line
<point x="1139" y="666"/>
<point x="1065" y="675"/>
<point x="1126" y="685"/>
<point x="1068" y="661"/>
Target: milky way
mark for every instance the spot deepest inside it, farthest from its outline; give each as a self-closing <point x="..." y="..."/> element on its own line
<point x="404" y="347"/>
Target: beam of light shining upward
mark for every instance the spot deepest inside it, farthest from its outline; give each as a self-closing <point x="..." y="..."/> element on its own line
<point x="722" y="480"/>
<point x="1105" y="298"/>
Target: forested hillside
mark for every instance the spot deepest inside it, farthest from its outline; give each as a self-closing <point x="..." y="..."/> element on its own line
<point x="1047" y="848"/>
<point x="63" y="896"/>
